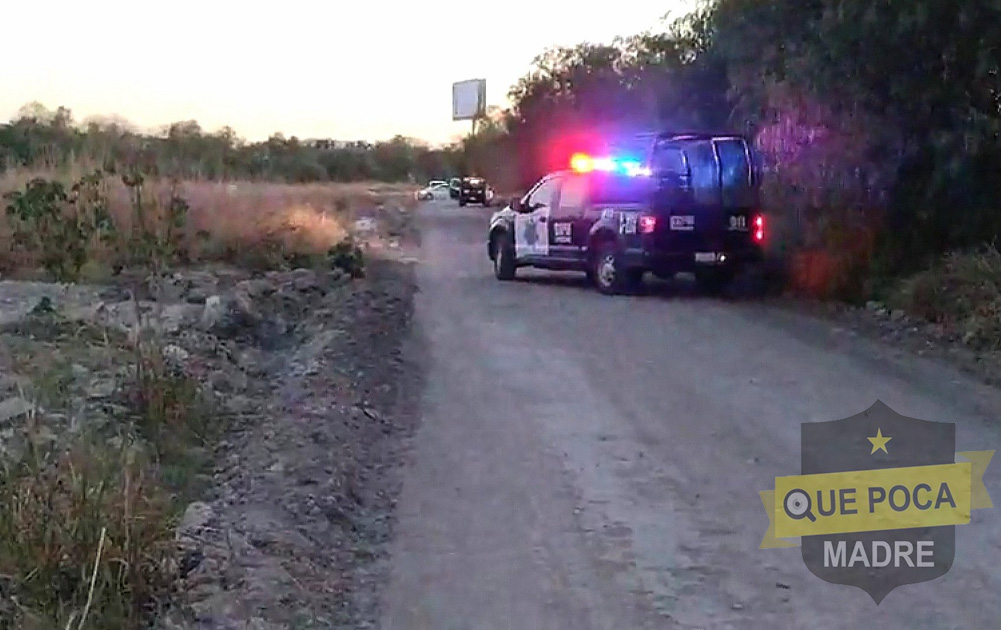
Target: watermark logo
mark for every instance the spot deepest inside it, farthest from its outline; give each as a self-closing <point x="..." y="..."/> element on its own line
<point x="878" y="499"/>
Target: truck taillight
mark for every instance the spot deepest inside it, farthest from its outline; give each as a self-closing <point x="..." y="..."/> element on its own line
<point x="759" y="228"/>
<point x="647" y="224"/>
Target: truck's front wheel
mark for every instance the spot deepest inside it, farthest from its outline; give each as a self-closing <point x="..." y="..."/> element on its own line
<point x="504" y="267"/>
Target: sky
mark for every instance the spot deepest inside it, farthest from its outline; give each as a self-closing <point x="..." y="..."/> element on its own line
<point x="362" y="70"/>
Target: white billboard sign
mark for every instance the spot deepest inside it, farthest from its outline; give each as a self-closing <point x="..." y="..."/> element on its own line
<point x="469" y="99"/>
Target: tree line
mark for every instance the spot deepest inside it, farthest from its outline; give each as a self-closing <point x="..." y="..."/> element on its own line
<point x="38" y="137"/>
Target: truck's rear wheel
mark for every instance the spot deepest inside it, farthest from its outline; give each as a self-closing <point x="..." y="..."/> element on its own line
<point x="607" y="273"/>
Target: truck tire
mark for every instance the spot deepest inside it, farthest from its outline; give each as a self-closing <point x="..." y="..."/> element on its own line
<point x="504" y="267"/>
<point x="607" y="274"/>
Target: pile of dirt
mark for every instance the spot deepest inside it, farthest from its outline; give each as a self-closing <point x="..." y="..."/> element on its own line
<point x="303" y="493"/>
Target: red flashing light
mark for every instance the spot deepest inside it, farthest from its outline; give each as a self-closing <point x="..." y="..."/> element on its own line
<point x="647" y="224"/>
<point x="759" y="228"/>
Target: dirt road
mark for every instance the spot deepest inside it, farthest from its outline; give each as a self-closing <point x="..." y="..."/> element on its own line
<point x="594" y="462"/>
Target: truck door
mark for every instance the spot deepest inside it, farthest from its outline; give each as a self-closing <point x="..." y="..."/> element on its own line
<point x="531" y="228"/>
<point x="738" y="187"/>
<point x="689" y="197"/>
<point x="566" y="231"/>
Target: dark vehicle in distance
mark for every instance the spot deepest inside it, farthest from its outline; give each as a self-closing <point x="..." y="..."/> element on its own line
<point x="690" y="204"/>
<point x="473" y="190"/>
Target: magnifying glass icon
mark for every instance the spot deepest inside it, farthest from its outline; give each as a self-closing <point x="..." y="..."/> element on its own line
<point x="797" y="505"/>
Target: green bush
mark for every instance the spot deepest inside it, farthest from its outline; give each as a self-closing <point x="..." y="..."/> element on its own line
<point x="60" y="226"/>
<point x="961" y="291"/>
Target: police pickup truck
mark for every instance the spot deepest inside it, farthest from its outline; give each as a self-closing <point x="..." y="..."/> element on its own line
<point x="473" y="190"/>
<point x="690" y="204"/>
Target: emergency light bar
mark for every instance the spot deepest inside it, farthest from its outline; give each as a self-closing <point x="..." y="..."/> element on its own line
<point x="583" y="163"/>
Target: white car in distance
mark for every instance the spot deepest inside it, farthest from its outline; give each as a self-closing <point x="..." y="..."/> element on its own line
<point x="434" y="190"/>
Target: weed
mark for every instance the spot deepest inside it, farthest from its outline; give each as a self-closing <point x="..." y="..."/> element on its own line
<point x="88" y="499"/>
<point x="347" y="257"/>
<point x="963" y="292"/>
<point x="85" y="536"/>
<point x="170" y="413"/>
<point x="59" y="225"/>
<point x="158" y="229"/>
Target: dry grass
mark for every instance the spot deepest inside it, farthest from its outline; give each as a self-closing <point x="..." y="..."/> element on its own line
<point x="231" y="221"/>
<point x="87" y="533"/>
<point x="86" y="542"/>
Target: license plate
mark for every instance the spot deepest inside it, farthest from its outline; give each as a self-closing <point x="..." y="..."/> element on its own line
<point x="705" y="257"/>
<point x="684" y="223"/>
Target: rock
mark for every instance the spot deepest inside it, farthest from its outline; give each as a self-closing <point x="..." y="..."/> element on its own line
<point x="13" y="383"/>
<point x="304" y="282"/>
<point x="175" y="356"/>
<point x="242" y="305"/>
<point x="224" y="382"/>
<point x="258" y="623"/>
<point x="239" y="404"/>
<point x="338" y="276"/>
<point x="114" y="294"/>
<point x="256" y="288"/>
<point x="197" y="295"/>
<point x="14" y="408"/>
<point x="102" y="388"/>
<point x="251" y="361"/>
<point x="199" y="286"/>
<point x="168" y="290"/>
<point x="213" y="313"/>
<point x="898" y="315"/>
<point x="176" y="317"/>
<point x="197" y="516"/>
<point x="365" y="225"/>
